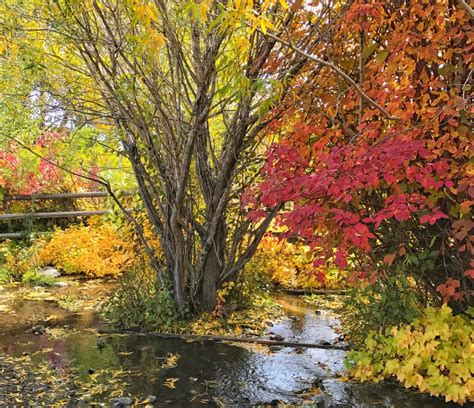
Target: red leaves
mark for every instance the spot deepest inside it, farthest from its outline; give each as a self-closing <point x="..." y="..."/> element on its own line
<point x="348" y="174"/>
<point x="21" y="172"/>
<point x="432" y="218"/>
<point x="449" y="290"/>
<point x="359" y="235"/>
<point x="340" y="259"/>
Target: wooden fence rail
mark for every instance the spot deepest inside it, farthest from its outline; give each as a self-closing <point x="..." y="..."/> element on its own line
<point x="61" y="196"/>
<point x="48" y="215"/>
<point x="52" y="214"/>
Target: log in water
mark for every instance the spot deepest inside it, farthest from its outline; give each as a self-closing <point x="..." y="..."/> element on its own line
<point x="198" y="337"/>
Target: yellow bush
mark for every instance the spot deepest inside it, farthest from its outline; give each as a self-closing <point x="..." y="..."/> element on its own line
<point x="434" y="353"/>
<point x="97" y="249"/>
<point x="17" y="259"/>
<point x="290" y="265"/>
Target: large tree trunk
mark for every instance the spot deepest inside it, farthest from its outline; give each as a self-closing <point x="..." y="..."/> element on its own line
<point x="211" y="271"/>
<point x="190" y="131"/>
<point x="209" y="286"/>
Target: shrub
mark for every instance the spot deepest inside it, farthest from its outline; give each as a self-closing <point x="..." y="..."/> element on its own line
<point x="434" y="353"/>
<point x="5" y="275"/>
<point x="384" y="303"/>
<point x="242" y="294"/>
<point x="139" y="301"/>
<point x="16" y="259"/>
<point x="33" y="278"/>
<point x="290" y="265"/>
<point x="96" y="249"/>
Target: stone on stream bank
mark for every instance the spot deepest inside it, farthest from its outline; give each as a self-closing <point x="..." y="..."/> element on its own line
<point x="49" y="272"/>
<point x="121" y="402"/>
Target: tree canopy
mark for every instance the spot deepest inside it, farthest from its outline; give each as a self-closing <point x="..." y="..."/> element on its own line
<point x="362" y="109"/>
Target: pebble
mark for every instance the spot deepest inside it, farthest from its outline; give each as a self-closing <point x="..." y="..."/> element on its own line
<point x="277" y="337"/>
<point x="151" y="399"/>
<point x="121" y="402"/>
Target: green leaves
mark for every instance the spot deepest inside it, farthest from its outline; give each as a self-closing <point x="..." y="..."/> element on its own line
<point x="434" y="354"/>
<point x="381" y="56"/>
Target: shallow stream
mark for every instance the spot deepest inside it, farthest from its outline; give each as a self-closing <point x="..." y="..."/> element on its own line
<point x="206" y="373"/>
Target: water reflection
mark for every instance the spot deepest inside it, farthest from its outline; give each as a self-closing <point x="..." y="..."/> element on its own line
<point x="207" y="373"/>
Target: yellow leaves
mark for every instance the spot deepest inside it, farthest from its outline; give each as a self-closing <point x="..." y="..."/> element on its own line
<point x="4" y="308"/>
<point x="146" y="13"/>
<point x="291" y="265"/>
<point x="244" y="11"/>
<point x="433" y="353"/>
<point x="171" y="382"/>
<point x="246" y="321"/>
<point x="171" y="360"/>
<point x="265" y="24"/>
<point x="95" y="250"/>
<point x="154" y="41"/>
<point x="242" y="44"/>
<point x="150" y="40"/>
<point x="40" y="295"/>
<point x="391" y="366"/>
<point x="203" y="9"/>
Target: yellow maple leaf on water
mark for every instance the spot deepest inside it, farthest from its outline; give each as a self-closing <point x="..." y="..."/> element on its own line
<point x="171" y="382"/>
<point x="171" y="360"/>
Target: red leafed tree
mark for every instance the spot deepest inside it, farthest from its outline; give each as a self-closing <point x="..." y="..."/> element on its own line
<point x="391" y="183"/>
<point x="22" y="172"/>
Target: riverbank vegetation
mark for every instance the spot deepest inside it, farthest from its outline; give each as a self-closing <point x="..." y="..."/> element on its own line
<point x="244" y="147"/>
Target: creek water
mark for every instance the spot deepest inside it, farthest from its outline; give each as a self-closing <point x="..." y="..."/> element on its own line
<point x="206" y="373"/>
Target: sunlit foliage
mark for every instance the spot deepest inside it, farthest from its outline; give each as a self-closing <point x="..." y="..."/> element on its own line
<point x="434" y="353"/>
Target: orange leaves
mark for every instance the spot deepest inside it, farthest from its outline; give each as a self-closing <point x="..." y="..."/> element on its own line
<point x="469" y="273"/>
<point x="462" y="229"/>
<point x="389" y="258"/>
<point x="449" y="290"/>
<point x="357" y="181"/>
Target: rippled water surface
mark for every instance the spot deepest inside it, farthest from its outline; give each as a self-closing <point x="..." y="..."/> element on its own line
<point x="207" y="373"/>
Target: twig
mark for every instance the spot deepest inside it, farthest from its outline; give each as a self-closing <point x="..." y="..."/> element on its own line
<point x="339" y="71"/>
<point x="463" y="4"/>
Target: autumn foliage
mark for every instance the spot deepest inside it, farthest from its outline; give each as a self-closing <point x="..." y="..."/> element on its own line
<point x="95" y="250"/>
<point x="432" y="354"/>
<point x="396" y="192"/>
<point x="23" y="173"/>
<point x="290" y="265"/>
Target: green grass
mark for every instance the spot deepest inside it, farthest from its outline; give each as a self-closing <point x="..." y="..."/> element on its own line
<point x="5" y="276"/>
<point x="33" y="278"/>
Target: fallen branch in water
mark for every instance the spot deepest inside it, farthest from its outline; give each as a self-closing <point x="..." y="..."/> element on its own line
<point x="198" y="337"/>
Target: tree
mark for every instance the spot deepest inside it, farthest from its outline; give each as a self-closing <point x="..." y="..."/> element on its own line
<point x="390" y="183"/>
<point x="189" y="87"/>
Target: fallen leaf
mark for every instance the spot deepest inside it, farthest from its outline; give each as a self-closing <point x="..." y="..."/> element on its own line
<point x="171" y="383"/>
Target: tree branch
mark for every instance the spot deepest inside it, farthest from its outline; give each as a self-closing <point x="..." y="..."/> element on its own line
<point x="339" y="71"/>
